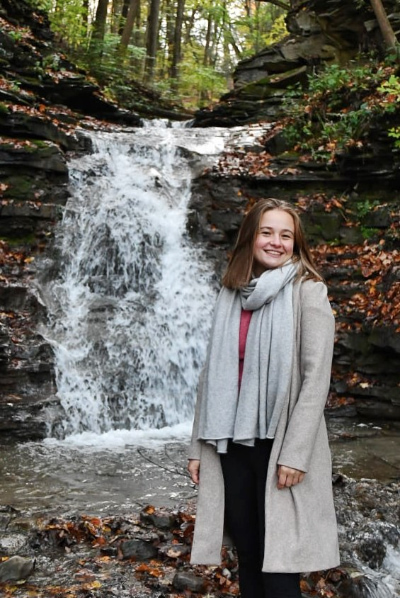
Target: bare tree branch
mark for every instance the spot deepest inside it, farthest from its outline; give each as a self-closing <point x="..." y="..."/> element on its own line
<point x="384" y="24"/>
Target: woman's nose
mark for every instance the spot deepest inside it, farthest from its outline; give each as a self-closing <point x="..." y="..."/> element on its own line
<point x="276" y="240"/>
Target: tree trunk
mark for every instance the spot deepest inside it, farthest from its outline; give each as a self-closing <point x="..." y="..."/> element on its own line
<point x="204" y="93"/>
<point x="115" y="11"/>
<point x="189" y="22"/>
<point x="207" y="47"/>
<point x="384" y="24"/>
<point x="216" y="38"/>
<point x="232" y="42"/>
<point x="138" y="38"/>
<point x="85" y="16"/>
<point x="168" y="11"/>
<point x="99" y="25"/>
<point x="130" y="20"/>
<point x="257" y="44"/>
<point x="247" y="8"/>
<point x="124" y="16"/>
<point x="152" y="38"/>
<point x="177" y="45"/>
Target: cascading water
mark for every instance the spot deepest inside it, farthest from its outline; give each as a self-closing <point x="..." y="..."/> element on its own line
<point x="130" y="307"/>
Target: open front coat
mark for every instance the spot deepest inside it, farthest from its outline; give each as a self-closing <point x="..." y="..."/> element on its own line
<point x="300" y="522"/>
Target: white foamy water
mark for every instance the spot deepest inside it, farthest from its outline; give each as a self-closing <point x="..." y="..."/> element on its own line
<point x="384" y="582"/>
<point x="130" y="308"/>
<point x="119" y="440"/>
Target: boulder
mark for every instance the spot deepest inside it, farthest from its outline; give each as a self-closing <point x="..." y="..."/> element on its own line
<point x="16" y="568"/>
<point x="187" y="581"/>
<point x="140" y="550"/>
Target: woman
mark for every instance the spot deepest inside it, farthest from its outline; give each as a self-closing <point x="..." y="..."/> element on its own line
<point x="259" y="447"/>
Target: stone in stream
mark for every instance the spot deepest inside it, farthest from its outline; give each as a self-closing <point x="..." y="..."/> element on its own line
<point x="16" y="568"/>
<point x="372" y="550"/>
<point x="141" y="550"/>
<point x="159" y="518"/>
<point x="184" y="580"/>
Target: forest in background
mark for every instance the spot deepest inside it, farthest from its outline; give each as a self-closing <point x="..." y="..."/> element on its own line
<point x="185" y="49"/>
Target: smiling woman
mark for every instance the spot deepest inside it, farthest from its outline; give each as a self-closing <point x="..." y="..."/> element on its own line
<point x="259" y="447"/>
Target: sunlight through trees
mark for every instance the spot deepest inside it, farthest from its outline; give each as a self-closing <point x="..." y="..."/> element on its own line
<point x="186" y="49"/>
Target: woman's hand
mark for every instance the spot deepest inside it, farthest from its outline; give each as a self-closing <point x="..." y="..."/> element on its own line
<point x="194" y="470"/>
<point x="287" y="477"/>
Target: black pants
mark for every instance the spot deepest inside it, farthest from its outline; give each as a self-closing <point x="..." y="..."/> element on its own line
<point x="245" y="471"/>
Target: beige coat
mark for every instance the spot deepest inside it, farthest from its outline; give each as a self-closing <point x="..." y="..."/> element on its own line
<point x="300" y="522"/>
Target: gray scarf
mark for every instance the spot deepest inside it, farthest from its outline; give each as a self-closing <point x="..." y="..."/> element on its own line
<point x="253" y="412"/>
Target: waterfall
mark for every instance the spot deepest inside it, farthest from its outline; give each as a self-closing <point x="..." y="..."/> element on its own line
<point x="129" y="309"/>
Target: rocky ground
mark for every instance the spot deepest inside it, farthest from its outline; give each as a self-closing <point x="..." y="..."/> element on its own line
<point x="146" y="553"/>
<point x="102" y="522"/>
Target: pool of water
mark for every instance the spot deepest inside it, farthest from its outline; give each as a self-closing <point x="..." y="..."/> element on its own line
<point x="121" y="470"/>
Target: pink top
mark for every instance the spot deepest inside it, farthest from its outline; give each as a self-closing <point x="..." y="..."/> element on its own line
<point x="245" y="318"/>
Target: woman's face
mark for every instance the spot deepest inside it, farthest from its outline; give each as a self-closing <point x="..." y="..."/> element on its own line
<point x="274" y="242"/>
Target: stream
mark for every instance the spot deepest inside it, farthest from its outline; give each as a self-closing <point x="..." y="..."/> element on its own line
<point x="129" y="301"/>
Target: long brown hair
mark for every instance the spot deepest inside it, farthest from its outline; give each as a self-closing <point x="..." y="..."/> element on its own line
<point x="239" y="270"/>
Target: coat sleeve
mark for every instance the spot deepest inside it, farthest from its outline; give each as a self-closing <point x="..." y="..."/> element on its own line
<point x="195" y="444"/>
<point x="317" y="329"/>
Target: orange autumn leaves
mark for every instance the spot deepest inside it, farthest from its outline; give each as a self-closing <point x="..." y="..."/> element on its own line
<point x="376" y="296"/>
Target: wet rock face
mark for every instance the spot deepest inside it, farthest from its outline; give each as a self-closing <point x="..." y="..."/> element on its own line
<point x="33" y="188"/>
<point x="367" y="350"/>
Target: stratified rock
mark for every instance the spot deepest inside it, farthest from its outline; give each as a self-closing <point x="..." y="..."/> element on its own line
<point x="41" y="155"/>
<point x="185" y="580"/>
<point x="320" y="33"/>
<point x="16" y="568"/>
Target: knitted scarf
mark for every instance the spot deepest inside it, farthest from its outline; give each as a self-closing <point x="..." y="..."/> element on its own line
<point x="253" y="412"/>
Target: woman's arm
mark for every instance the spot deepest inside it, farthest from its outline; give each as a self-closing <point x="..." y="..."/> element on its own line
<point x="195" y="444"/>
<point x="317" y="328"/>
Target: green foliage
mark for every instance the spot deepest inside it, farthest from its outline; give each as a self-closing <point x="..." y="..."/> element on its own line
<point x="391" y="86"/>
<point x="52" y="61"/>
<point x="15" y="35"/>
<point x="394" y="132"/>
<point x="262" y="32"/>
<point x="105" y="61"/>
<point x="336" y="111"/>
<point x="365" y="207"/>
<point x="336" y="80"/>
<point x="15" y="86"/>
<point x="67" y="20"/>
<point x="198" y="83"/>
<point x="368" y="232"/>
<point x="236" y="30"/>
